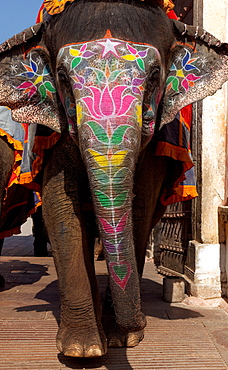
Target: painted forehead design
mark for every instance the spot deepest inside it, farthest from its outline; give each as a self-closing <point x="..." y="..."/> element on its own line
<point x="109" y="48"/>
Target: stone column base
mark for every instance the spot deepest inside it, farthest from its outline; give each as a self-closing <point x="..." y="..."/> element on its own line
<point x="202" y="270"/>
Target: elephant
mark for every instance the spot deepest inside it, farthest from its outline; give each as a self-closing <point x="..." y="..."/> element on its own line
<point x="109" y="77"/>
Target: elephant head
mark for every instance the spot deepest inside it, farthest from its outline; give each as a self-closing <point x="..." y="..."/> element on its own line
<point x="111" y="87"/>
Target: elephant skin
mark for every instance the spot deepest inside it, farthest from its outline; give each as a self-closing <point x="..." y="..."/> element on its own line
<point x="107" y="76"/>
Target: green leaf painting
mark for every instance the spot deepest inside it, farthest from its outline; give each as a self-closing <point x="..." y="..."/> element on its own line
<point x="98" y="131"/>
<point x="140" y="63"/>
<point x="120" y="199"/>
<point x="104" y="200"/>
<point x="42" y="91"/>
<point x="115" y="74"/>
<point x="118" y="134"/>
<point x="101" y="176"/>
<point x="49" y="86"/>
<point x="120" y="175"/>
<point x="75" y="62"/>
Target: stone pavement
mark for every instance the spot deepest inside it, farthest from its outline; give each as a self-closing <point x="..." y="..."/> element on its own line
<point x="178" y="336"/>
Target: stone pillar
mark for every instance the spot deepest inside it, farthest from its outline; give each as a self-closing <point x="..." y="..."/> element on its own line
<point x="207" y="282"/>
<point x="214" y="122"/>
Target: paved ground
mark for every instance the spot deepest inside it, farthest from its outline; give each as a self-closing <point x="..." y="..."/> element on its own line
<point x="178" y="336"/>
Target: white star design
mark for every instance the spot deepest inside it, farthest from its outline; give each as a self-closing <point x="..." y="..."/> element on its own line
<point x="151" y="62"/>
<point x="172" y="102"/>
<point x="126" y="78"/>
<point x="39" y="60"/>
<point x="123" y="49"/>
<point x="14" y="68"/>
<point x="98" y="62"/>
<point x="178" y="58"/>
<point x="109" y="46"/>
<point x="202" y="61"/>
<point x="66" y="60"/>
<point x="135" y="71"/>
<point x="91" y="140"/>
<point x="94" y="47"/>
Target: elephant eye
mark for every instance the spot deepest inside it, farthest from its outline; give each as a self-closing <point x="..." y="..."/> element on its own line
<point x="153" y="78"/>
<point x="62" y="76"/>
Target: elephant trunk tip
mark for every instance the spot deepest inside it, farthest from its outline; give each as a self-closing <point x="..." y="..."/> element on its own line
<point x="134" y="324"/>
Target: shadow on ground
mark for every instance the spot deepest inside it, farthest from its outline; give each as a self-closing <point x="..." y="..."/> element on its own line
<point x="17" y="272"/>
<point x="110" y="361"/>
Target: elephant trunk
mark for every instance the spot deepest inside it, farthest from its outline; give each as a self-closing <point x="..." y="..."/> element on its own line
<point x="110" y="148"/>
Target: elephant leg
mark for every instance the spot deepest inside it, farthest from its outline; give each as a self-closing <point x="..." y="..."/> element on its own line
<point x="80" y="333"/>
<point x="153" y="174"/>
<point x="40" y="234"/>
<point x="147" y="210"/>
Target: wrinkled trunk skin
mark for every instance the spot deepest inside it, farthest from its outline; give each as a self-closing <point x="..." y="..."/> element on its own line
<point x="110" y="171"/>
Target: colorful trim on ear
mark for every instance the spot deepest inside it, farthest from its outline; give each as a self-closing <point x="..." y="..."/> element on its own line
<point x="39" y="17"/>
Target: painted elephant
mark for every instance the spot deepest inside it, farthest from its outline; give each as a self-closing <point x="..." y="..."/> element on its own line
<point x="109" y="77"/>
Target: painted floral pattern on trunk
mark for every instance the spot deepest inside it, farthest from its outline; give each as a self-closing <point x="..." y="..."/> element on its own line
<point x="108" y="79"/>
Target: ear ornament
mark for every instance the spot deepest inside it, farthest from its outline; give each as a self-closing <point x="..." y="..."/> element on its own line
<point x="197" y="32"/>
<point x="16" y="40"/>
<point x="33" y="31"/>
<point x="185" y="29"/>
<point x="203" y="35"/>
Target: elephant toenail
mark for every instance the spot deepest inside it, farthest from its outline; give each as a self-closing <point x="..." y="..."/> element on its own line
<point x="94" y="351"/>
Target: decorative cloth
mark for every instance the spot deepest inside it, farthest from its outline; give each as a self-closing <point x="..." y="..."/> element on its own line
<point x="19" y="201"/>
<point x="52" y="7"/>
<point x="22" y="194"/>
<point x="174" y="142"/>
<point x="55" y="6"/>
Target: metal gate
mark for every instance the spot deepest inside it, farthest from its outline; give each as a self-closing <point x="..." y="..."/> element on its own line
<point x="175" y="233"/>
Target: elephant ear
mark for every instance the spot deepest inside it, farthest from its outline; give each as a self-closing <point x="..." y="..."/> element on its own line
<point x="198" y="68"/>
<point x="27" y="86"/>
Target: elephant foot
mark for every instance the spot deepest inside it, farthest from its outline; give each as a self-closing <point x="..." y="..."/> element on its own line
<point x="88" y="344"/>
<point x="116" y="337"/>
<point x="121" y="339"/>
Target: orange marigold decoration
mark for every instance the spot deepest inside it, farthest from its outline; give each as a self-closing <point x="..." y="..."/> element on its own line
<point x="55" y="6"/>
<point x="166" y="5"/>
